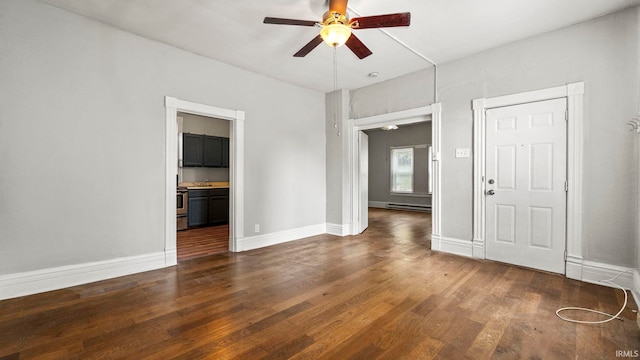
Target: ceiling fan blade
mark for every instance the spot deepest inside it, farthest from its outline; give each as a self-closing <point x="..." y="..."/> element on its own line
<point x="310" y="46"/>
<point x="339" y="6"/>
<point x="281" y="21"/>
<point x="358" y="48"/>
<point x="379" y="21"/>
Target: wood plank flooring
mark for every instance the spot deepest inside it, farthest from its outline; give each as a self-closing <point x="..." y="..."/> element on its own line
<point x="379" y="295"/>
<point x="202" y="241"/>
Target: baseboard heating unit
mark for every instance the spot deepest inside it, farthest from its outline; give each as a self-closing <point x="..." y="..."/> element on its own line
<point x="426" y="208"/>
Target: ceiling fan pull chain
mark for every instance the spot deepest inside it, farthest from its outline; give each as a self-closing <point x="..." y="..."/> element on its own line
<point x="337" y="119"/>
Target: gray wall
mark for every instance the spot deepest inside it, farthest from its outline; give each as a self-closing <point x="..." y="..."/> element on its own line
<point x="195" y="124"/>
<point x="604" y="53"/>
<point x="82" y="139"/>
<point x="337" y="110"/>
<point x="380" y="143"/>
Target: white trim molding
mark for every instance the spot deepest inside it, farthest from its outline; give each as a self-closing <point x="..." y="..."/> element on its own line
<point x="452" y="246"/>
<point x="263" y="240"/>
<point x="38" y="281"/>
<point x="436" y="151"/>
<point x="636" y="286"/>
<point x="574" y="93"/>
<point x="595" y="272"/>
<point x="431" y="113"/>
<point x="338" y="230"/>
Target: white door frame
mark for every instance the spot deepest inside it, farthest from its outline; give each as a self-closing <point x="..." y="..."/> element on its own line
<point x="574" y="93"/>
<point x="236" y="170"/>
<point x="404" y="117"/>
<point x="363" y="162"/>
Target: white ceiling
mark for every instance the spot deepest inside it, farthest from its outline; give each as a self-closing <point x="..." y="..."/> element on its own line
<point x="233" y="32"/>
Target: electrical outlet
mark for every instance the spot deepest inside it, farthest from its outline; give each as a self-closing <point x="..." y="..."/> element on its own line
<point x="462" y="153"/>
<point x="256" y="228"/>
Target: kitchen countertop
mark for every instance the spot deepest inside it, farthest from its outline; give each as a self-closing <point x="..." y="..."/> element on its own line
<point x="205" y="185"/>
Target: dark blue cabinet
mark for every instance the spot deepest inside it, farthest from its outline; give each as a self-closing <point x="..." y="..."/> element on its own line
<point x="198" y="212"/>
<point x="225" y="152"/>
<point x="218" y="206"/>
<point x="208" y="207"/>
<point x="192" y="150"/>
<point x="204" y="151"/>
<point x="212" y="151"/>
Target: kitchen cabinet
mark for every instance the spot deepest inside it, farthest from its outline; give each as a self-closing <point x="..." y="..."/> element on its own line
<point x="204" y="151"/>
<point x="225" y="152"/>
<point x="198" y="211"/>
<point x="208" y="207"/>
<point x="192" y="153"/>
<point x="212" y="151"/>
<point x="218" y="206"/>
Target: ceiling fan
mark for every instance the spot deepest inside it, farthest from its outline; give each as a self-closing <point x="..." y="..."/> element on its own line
<point x="336" y="27"/>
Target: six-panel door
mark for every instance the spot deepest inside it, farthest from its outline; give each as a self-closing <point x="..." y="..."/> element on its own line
<point x="525" y="184"/>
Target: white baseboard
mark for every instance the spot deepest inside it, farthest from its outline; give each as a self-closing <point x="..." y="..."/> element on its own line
<point x="574" y="266"/>
<point x="338" y="230"/>
<point x="451" y="245"/>
<point x="477" y="249"/>
<point x="260" y="241"/>
<point x="636" y="286"/>
<point x="33" y="282"/>
<point x="171" y="257"/>
<point x="594" y="272"/>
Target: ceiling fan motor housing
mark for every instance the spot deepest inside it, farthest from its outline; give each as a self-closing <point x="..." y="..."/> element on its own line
<point x="333" y="17"/>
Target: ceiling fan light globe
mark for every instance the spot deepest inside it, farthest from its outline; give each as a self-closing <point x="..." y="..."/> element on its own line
<point x="335" y="34"/>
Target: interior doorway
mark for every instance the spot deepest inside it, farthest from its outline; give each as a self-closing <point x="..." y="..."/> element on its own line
<point x="400" y="167"/>
<point x="236" y="170"/>
<point x="203" y="186"/>
<point x="428" y="113"/>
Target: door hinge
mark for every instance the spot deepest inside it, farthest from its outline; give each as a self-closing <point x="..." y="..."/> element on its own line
<point x="565" y="255"/>
<point x="566" y="186"/>
<point x="566" y="115"/>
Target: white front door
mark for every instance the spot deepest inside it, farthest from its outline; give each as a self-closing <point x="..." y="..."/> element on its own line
<point x="526" y="167"/>
<point x="363" y="165"/>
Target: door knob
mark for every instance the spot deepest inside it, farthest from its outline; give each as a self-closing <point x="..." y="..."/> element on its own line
<point x="490" y="192"/>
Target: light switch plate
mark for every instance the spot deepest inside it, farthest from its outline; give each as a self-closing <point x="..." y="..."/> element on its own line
<point x="462" y="153"/>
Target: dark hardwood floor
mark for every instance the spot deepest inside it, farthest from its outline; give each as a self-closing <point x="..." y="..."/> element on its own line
<point x="379" y="295"/>
<point x="202" y="241"/>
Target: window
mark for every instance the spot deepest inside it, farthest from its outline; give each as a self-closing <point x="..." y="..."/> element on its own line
<point x="402" y="170"/>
